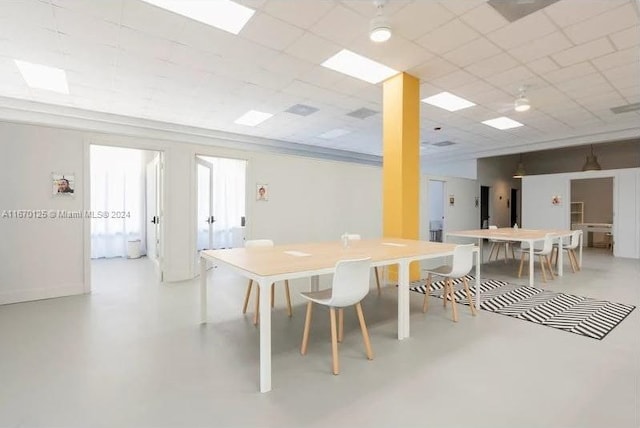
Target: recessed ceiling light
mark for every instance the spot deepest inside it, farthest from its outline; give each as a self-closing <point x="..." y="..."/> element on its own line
<point x="334" y="133"/>
<point x="502" y="123"/>
<point x="359" y="67"/>
<point x="448" y="101"/>
<point x="43" y="77"/>
<point x="223" y="14"/>
<point x="252" y="118"/>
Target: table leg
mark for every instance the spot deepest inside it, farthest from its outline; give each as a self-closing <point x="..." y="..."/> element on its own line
<point x="478" y="258"/>
<point x="580" y="251"/>
<point x="403" y="300"/>
<point x="203" y="290"/>
<point x="265" y="335"/>
<point x="560" y="262"/>
<point x="315" y="282"/>
<point x="531" y="263"/>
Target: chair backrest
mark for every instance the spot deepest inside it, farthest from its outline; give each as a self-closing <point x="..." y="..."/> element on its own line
<point x="493" y="226"/>
<point x="462" y="260"/>
<point x="575" y="239"/>
<point x="353" y="237"/>
<point x="252" y="243"/>
<point x="350" y="282"/>
<point x="548" y="244"/>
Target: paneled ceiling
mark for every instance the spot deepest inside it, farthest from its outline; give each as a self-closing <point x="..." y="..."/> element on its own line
<point x="577" y="58"/>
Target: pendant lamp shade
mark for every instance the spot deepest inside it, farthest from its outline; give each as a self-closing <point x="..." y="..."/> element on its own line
<point x="591" y="163"/>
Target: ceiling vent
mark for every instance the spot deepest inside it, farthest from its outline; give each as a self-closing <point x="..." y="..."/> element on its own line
<point x="443" y="144"/>
<point x="514" y="10"/>
<point x="362" y="113"/>
<point x="626" y="108"/>
<point x="301" y="110"/>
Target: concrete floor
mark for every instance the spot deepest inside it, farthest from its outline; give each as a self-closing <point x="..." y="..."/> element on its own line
<point x="133" y="354"/>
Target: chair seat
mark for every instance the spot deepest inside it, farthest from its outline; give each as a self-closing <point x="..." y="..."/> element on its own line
<point x="321" y="296"/>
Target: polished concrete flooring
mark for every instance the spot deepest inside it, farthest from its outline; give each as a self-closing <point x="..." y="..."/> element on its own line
<point x="133" y="354"/>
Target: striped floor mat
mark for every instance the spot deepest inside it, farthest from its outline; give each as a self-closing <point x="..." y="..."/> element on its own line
<point x="575" y="314"/>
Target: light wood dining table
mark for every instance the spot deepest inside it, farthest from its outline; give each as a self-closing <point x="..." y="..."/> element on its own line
<point x="266" y="265"/>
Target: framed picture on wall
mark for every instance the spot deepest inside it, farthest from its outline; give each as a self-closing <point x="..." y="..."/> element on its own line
<point x="262" y="192"/>
<point x="63" y="184"/>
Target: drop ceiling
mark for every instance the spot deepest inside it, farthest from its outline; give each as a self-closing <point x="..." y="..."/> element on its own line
<point x="577" y="58"/>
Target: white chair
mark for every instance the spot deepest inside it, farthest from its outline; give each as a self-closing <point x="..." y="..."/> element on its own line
<point x="356" y="237"/>
<point x="496" y="244"/>
<point x="570" y="248"/>
<point x="350" y="286"/>
<point x="459" y="268"/>
<point x="257" y="243"/>
<point x="543" y="254"/>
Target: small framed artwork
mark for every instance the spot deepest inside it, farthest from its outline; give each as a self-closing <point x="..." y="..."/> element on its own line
<point x="63" y="184"/>
<point x="262" y="192"/>
<point x="556" y="200"/>
<point x="452" y="200"/>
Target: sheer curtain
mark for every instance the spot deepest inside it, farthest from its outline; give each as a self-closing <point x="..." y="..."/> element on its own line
<point x="228" y="196"/>
<point x="117" y="200"/>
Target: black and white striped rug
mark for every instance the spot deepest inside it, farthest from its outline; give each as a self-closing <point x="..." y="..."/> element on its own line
<point x="575" y="314"/>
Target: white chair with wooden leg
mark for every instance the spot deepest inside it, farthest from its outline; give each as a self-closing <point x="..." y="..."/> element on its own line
<point x="544" y="256"/>
<point x="350" y="285"/>
<point x="459" y="268"/>
<point x="262" y="243"/>
<point x="357" y="237"/>
<point x="570" y="248"/>
<point x="497" y="244"/>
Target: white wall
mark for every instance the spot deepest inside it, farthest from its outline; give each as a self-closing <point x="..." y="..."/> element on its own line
<point x="461" y="169"/>
<point x="539" y="213"/>
<point x="436" y="200"/>
<point x="310" y="199"/>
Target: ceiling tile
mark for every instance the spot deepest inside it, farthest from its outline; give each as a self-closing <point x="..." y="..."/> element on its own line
<point x="626" y="38"/>
<point x="153" y="20"/>
<point x="617" y="59"/>
<point x="410" y="20"/>
<point x="433" y="68"/>
<point x="484" y="19"/>
<point x="454" y="80"/>
<point x="517" y="33"/>
<point x="541" y="47"/>
<point x="493" y="65"/>
<point x="271" y="32"/>
<point x="301" y="14"/>
<point x="474" y="51"/>
<point x="543" y="65"/>
<point x="516" y="76"/>
<point x="459" y="7"/>
<point x="571" y="72"/>
<point x="313" y="48"/>
<point x="568" y="12"/>
<point x="583" y="52"/>
<point x="341" y="25"/>
<point x="447" y="37"/>
<point x="610" y="22"/>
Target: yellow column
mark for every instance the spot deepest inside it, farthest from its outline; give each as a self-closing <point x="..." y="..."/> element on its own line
<point x="401" y="160"/>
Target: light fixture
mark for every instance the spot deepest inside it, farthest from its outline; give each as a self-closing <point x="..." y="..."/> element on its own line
<point x="380" y="27"/>
<point x="43" y="77"/>
<point x="252" y="118"/>
<point x="592" y="162"/>
<point x="520" y="172"/>
<point x="522" y="102"/>
<point x="358" y="66"/>
<point x="448" y="101"/>
<point x="502" y="123"/>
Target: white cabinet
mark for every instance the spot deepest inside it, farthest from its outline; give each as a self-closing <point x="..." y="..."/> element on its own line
<point x="577" y="213"/>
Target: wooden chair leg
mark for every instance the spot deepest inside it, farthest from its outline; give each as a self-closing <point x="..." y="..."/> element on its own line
<point x="375" y="271"/>
<point x="544" y="274"/>
<point x="305" y="334"/>
<point x="453" y="300"/>
<point x="445" y="293"/>
<point x="246" y="296"/>
<point x="340" y="324"/>
<point x="521" y="264"/>
<point x="288" y="296"/>
<point x="574" y="260"/>
<point x="273" y="294"/>
<point x="425" y="303"/>
<point x="513" y="252"/>
<point x="493" y="247"/>
<point x="468" y="292"/>
<point x="256" y="314"/>
<point x="546" y="258"/>
<point x="365" y="332"/>
<point x="506" y="250"/>
<point x="334" y="342"/>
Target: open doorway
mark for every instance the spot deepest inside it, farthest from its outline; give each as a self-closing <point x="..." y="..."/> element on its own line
<point x="591" y="211"/>
<point x="484" y="207"/>
<point x="514" y="202"/>
<point x="126" y="204"/>
<point x="436" y="210"/>
<point x="221" y="190"/>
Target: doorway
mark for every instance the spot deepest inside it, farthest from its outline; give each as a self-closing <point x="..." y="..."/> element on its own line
<point x="126" y="204"/>
<point x="515" y="193"/>
<point x="591" y="210"/>
<point x="220" y="214"/>
<point x="436" y="210"/>
<point x="484" y="207"/>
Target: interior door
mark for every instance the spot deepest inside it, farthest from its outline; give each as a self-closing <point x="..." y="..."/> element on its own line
<point x="153" y="190"/>
<point x="205" y="205"/>
<point x="484" y="207"/>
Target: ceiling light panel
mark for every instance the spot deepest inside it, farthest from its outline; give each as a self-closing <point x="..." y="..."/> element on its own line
<point x="223" y="14"/>
<point x="358" y="66"/>
<point x="503" y="123"/>
<point x="334" y="133"/>
<point x="43" y="77"/>
<point x="252" y="118"/>
<point x="448" y="101"/>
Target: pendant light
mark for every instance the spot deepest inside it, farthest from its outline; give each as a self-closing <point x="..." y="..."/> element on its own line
<point x="592" y="162"/>
<point x="380" y="27"/>
<point x="519" y="170"/>
<point x="521" y="103"/>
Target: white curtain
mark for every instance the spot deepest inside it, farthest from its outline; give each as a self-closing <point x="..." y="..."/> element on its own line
<point x="117" y="200"/>
<point x="228" y="196"/>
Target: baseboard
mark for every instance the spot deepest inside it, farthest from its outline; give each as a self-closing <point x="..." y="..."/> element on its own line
<point x="31" y="294"/>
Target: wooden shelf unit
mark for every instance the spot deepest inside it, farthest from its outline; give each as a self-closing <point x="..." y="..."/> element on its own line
<point x="577" y="213"/>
